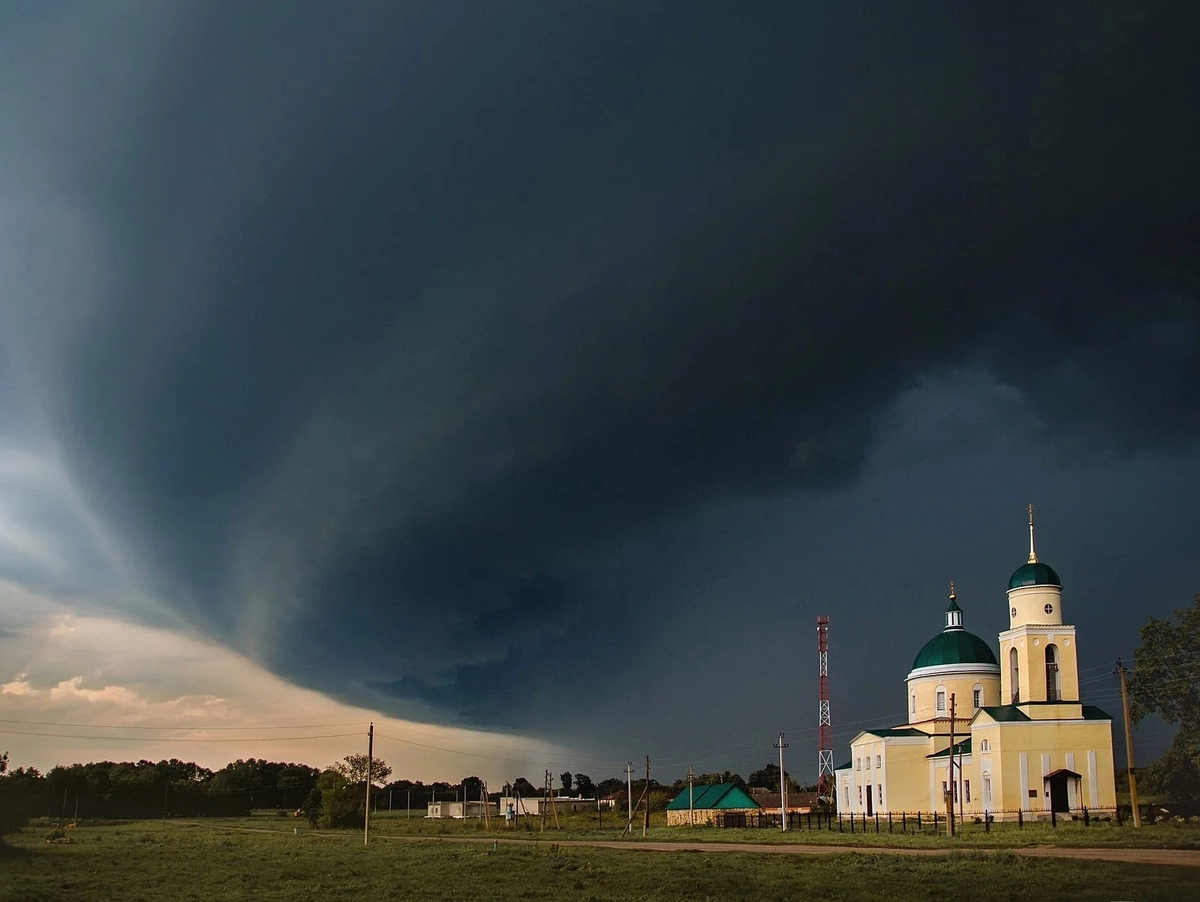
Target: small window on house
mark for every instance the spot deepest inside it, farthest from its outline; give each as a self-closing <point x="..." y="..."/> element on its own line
<point x="967" y="789"/>
<point x="914" y="703"/>
<point x="879" y="761"/>
<point x="858" y="763"/>
<point x="941" y="701"/>
<point x="868" y="760"/>
<point x="976" y="697"/>
<point x="985" y="746"/>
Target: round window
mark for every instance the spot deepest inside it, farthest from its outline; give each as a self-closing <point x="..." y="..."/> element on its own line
<point x="1049" y="609"/>
<point x="1013" y="612"/>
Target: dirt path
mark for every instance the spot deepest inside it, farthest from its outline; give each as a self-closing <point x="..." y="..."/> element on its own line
<point x="1180" y="857"/>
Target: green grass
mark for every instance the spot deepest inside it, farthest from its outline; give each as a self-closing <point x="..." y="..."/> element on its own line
<point x="148" y="860"/>
<point x="973" y="836"/>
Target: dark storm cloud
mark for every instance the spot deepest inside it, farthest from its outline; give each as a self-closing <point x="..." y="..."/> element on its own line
<point x="407" y="317"/>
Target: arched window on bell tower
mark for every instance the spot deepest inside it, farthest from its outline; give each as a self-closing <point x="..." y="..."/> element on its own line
<point x="1053" y="677"/>
<point x="1014" y="676"/>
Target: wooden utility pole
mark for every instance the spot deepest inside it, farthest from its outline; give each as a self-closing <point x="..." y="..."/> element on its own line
<point x="646" y="821"/>
<point x="950" y="766"/>
<point x="691" y="797"/>
<point x="629" y="791"/>
<point x="781" y="745"/>
<point x="367" y="806"/>
<point x="1133" y="801"/>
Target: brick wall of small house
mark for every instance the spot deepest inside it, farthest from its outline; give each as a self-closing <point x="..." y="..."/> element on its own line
<point x="679" y="817"/>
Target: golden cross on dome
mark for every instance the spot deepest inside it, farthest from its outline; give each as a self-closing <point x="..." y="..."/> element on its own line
<point x="1032" y="554"/>
<point x="952" y="595"/>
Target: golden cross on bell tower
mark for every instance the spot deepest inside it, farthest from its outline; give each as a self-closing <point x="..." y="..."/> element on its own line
<point x="952" y="595"/>
<point x="1032" y="554"/>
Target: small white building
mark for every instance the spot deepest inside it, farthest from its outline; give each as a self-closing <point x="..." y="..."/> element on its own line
<point x="452" y="808"/>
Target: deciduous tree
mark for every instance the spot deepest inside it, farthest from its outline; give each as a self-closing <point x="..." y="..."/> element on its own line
<point x="354" y="769"/>
<point x="1166" y="682"/>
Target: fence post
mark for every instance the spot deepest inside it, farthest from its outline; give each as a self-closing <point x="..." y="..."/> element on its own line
<point x="1021" y="818"/>
<point x="1087" y="821"/>
<point x="904" y="822"/>
<point x="987" y="821"/>
<point x="851" y="821"/>
<point x="1053" y="817"/>
<point x="889" y="822"/>
<point x="840" y="828"/>
<point x="935" y="819"/>
<point x="918" y="822"/>
<point x="1120" y="820"/>
<point x="876" y="821"/>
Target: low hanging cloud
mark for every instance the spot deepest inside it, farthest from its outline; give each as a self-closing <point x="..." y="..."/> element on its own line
<point x="99" y="688"/>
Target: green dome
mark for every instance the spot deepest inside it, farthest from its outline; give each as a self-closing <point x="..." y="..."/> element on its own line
<point x="954" y="646"/>
<point x="1038" y="574"/>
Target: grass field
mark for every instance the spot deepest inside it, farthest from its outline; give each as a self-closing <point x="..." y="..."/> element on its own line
<point x="147" y="860"/>
<point x="584" y="826"/>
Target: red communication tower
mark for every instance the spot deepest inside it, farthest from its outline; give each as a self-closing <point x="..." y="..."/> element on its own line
<point x="825" y="737"/>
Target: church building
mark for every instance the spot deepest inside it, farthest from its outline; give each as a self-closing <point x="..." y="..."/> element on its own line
<point x="1022" y="738"/>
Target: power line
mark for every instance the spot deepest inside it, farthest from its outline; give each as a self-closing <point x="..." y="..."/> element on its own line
<point x="149" y="739"/>
<point x="119" y="726"/>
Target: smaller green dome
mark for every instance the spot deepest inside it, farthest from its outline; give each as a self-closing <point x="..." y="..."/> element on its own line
<point x="954" y="646"/>
<point x="1038" y="574"/>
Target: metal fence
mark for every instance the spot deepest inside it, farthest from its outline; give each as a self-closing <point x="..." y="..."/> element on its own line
<point x="916" y="821"/>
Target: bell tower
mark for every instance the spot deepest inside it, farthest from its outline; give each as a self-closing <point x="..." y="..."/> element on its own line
<point x="1038" y="655"/>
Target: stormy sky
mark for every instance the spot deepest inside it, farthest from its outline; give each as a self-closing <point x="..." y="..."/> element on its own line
<point x="543" y="370"/>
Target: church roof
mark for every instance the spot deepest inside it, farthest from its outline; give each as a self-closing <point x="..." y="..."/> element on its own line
<point x="898" y="731"/>
<point x="718" y="795"/>
<point x="1035" y="574"/>
<point x="954" y="646"/>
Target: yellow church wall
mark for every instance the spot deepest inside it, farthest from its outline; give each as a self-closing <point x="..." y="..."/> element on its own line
<point x="1030" y="643"/>
<point x="923" y="691"/>
<point x="1046" y="746"/>
<point x="1048" y="711"/>
<point x="907" y="783"/>
<point x="1030" y="602"/>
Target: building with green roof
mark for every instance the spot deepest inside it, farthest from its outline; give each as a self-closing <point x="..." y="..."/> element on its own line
<point x="705" y="802"/>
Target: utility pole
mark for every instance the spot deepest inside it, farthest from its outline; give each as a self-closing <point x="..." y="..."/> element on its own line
<point x="77" y="808"/>
<point x="545" y="799"/>
<point x="950" y="795"/>
<point x="781" y="745"/>
<point x="646" y="821"/>
<point x="629" y="786"/>
<point x="1137" y="817"/>
<point x="367" y="807"/>
<point x="691" y="797"/>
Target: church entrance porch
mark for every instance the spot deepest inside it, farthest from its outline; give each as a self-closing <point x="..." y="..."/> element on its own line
<point x="1057" y="787"/>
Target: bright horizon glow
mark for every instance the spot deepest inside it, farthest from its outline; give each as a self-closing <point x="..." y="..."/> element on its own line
<point x="83" y="688"/>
